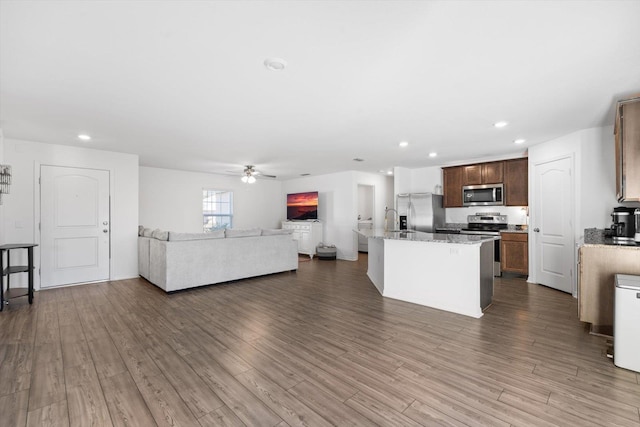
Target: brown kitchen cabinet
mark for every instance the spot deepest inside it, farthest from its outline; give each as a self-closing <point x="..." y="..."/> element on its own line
<point x="598" y="265"/>
<point x="483" y="173"/>
<point x="514" y="253"/>
<point x="516" y="182"/>
<point x="627" y="140"/>
<point x="452" y="187"/>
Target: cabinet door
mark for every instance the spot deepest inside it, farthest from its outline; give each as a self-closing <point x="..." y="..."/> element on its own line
<point x="618" y="147"/>
<point x="472" y="175"/>
<point x="297" y="236"/>
<point x="304" y="244"/>
<point x="516" y="182"/>
<point x="630" y="138"/>
<point x="492" y="173"/>
<point x="452" y="183"/>
<point x="514" y="253"/>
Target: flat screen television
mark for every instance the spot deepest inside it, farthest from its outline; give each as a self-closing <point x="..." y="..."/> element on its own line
<point x="302" y="206"/>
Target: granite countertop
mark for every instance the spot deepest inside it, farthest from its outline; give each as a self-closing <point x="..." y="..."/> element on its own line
<point x="514" y="230"/>
<point x="597" y="237"/>
<point x="418" y="236"/>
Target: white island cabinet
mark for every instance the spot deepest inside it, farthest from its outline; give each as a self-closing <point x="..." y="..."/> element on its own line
<point x="449" y="272"/>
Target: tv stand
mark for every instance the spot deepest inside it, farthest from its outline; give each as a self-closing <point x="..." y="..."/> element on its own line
<point x="307" y="233"/>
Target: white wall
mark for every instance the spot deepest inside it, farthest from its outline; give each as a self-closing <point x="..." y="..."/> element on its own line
<point x="515" y="214"/>
<point x="172" y="200"/>
<point x="419" y="180"/>
<point x="338" y="205"/>
<point x="595" y="193"/>
<point x="594" y="173"/>
<point x="22" y="206"/>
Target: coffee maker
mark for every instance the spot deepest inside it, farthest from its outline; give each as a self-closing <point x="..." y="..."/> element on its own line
<point x="623" y="229"/>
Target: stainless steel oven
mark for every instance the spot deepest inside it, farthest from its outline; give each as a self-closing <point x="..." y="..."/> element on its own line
<point x="488" y="224"/>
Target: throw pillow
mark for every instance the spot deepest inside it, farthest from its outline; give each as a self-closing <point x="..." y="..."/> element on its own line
<point x="147" y="232"/>
<point x="176" y="237"/>
<point x="242" y="233"/>
<point x="160" y="235"/>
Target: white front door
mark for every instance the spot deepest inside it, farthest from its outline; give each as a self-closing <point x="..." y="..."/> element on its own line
<point x="553" y="230"/>
<point x="74" y="224"/>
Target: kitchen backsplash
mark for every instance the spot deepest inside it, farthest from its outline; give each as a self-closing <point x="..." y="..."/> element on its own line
<point x="515" y="214"/>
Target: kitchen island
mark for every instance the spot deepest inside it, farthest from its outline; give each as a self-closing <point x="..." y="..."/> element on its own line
<point x="451" y="272"/>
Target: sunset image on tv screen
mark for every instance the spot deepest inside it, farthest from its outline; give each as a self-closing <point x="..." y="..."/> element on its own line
<point x="301" y="206"/>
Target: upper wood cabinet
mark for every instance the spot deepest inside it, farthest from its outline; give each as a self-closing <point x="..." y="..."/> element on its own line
<point x="516" y="182"/>
<point x="483" y="173"/>
<point x="452" y="183"/>
<point x="627" y="137"/>
<point x="513" y="173"/>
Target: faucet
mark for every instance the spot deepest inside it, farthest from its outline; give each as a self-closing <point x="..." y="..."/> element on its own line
<point x="386" y="212"/>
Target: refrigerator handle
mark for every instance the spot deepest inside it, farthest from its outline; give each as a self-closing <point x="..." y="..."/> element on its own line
<point x="410" y="216"/>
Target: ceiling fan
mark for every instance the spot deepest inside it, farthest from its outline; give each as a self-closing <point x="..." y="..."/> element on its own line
<point x="250" y="174"/>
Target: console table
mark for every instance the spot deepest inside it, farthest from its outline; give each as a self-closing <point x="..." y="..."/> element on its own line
<point x="5" y="296"/>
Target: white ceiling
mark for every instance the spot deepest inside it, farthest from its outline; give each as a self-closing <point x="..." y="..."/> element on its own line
<point x="183" y="85"/>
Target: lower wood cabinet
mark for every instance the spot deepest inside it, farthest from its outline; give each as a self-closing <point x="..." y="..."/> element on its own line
<point x="514" y="253"/>
<point x="307" y="234"/>
<point x="596" y="279"/>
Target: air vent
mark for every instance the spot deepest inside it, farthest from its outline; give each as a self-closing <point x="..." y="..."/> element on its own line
<point x="305" y="174"/>
<point x="357" y="159"/>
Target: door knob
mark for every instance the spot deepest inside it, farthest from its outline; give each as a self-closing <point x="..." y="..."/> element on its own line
<point x="536" y="229"/>
<point x="105" y="231"/>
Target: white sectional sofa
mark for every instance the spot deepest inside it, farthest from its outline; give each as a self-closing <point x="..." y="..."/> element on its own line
<point x="174" y="261"/>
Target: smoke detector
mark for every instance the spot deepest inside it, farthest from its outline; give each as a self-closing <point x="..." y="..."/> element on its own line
<point x="275" y="64"/>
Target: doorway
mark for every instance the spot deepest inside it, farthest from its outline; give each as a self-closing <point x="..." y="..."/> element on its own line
<point x="366" y="211"/>
<point x="553" y="232"/>
<point x="74" y="225"/>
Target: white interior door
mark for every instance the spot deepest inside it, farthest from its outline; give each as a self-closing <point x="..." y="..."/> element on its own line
<point x="74" y="225"/>
<point x="553" y="230"/>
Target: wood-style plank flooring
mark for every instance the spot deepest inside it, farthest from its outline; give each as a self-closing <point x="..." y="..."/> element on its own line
<point x="317" y="347"/>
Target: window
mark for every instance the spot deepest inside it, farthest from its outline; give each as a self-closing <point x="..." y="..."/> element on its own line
<point x="217" y="210"/>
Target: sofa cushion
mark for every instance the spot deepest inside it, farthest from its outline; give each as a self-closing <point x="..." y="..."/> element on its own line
<point x="160" y="235"/>
<point x="276" y="231"/>
<point x="215" y="234"/>
<point x="229" y="232"/>
<point x="147" y="232"/>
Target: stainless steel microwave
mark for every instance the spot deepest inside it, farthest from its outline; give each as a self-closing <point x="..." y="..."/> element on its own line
<point x="483" y="195"/>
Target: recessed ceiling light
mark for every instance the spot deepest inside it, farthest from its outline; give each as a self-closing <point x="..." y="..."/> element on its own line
<point x="433" y="154"/>
<point x="519" y="141"/>
<point x="275" y="64"/>
<point x="389" y="172"/>
<point x="84" y="137"/>
<point x="403" y="144"/>
<point x="500" y="124"/>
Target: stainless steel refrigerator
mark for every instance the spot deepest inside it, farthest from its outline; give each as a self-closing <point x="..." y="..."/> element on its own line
<point x="420" y="211"/>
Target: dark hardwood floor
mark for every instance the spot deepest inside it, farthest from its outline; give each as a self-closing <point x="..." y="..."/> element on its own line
<point x="316" y="347"/>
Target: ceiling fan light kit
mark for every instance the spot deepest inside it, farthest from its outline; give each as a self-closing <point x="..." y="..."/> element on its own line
<point x="249" y="173"/>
